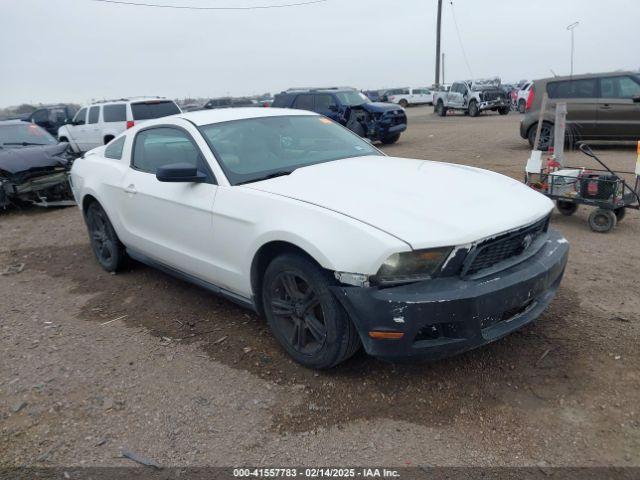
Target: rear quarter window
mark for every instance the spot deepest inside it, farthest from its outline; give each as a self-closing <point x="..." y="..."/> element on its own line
<point x="115" y="113"/>
<point x="153" y="109"/>
<point x="114" y="149"/>
<point x="281" y="101"/>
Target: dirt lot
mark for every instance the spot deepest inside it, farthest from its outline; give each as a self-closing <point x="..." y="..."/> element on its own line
<point x="93" y="363"/>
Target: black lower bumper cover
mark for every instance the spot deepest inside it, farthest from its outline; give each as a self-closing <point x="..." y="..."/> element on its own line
<point x="447" y="316"/>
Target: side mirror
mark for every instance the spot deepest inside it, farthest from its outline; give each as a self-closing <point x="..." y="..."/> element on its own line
<point x="333" y="108"/>
<point x="180" y="172"/>
<point x="636" y="98"/>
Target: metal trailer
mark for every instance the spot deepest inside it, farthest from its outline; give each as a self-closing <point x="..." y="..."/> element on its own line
<point x="603" y="189"/>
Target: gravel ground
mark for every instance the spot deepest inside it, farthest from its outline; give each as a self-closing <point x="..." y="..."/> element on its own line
<point x="92" y="364"/>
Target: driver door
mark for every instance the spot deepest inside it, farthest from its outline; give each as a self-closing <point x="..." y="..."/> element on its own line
<point x="454" y="97"/>
<point x="169" y="222"/>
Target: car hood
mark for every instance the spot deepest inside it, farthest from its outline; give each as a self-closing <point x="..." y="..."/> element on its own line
<point x="376" y="107"/>
<point x="17" y="160"/>
<point x="426" y="204"/>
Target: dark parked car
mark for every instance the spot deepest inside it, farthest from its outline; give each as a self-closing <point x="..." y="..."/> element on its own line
<point x="34" y="167"/>
<point x="51" y="118"/>
<point x="229" y="103"/>
<point x="373" y="95"/>
<point x="600" y="107"/>
<point x="347" y="106"/>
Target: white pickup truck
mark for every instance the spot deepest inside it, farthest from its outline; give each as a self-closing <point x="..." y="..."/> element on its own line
<point x="473" y="97"/>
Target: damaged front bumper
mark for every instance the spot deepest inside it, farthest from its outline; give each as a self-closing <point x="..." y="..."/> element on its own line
<point x="493" y="104"/>
<point x="446" y="316"/>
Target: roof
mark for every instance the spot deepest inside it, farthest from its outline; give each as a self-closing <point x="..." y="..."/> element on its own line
<point x="205" y="117"/>
<point x="129" y="99"/>
<point x="13" y="122"/>
<point x="586" y="75"/>
<point x="320" y="89"/>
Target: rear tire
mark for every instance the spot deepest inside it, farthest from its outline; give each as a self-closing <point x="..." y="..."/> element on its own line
<point x="391" y="139"/>
<point x="305" y="317"/>
<point x="602" y="221"/>
<point x="566" y="208"/>
<point x="474" y="111"/>
<point x="441" y="110"/>
<point x="504" y="110"/>
<point x="106" y="245"/>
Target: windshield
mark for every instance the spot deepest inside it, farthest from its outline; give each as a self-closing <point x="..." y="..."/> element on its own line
<point x="24" y="134"/>
<point x="254" y="149"/>
<point x="352" y="98"/>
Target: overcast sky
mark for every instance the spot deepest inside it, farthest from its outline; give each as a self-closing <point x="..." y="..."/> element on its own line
<point x="78" y="50"/>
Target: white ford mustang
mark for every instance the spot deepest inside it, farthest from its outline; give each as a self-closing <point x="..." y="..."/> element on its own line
<point x="338" y="245"/>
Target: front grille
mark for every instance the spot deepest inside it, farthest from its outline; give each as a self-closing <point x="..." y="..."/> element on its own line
<point x="396" y="117"/>
<point x="490" y="95"/>
<point x="495" y="250"/>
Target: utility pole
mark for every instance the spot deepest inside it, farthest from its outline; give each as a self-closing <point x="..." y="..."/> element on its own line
<point x="443" y="82"/>
<point x="437" y="82"/>
<point x="571" y="28"/>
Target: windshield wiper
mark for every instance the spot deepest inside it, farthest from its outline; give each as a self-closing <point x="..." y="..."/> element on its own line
<point x="279" y="173"/>
<point x="24" y="144"/>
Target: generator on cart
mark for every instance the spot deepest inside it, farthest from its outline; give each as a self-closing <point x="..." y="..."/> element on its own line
<point x="602" y="188"/>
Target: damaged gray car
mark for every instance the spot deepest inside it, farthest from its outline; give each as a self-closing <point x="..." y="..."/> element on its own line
<point x="34" y="167"/>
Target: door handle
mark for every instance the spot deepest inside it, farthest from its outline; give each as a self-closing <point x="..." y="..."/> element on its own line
<point x="131" y="189"/>
<point x="606" y="106"/>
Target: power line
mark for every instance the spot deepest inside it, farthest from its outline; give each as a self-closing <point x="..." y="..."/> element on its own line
<point x="185" y="7"/>
<point x="464" y="53"/>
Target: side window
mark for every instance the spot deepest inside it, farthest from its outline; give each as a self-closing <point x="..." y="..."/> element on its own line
<point x="40" y="116"/>
<point x="324" y="102"/>
<point x="619" y="87"/>
<point x="80" y="118"/>
<point x="304" y="102"/>
<point x="114" y="149"/>
<point x="584" y="88"/>
<point x="114" y="113"/>
<point x="94" y="114"/>
<point x="158" y="147"/>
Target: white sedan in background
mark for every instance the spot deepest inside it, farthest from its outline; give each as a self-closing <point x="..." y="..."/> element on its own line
<point x="338" y="245"/>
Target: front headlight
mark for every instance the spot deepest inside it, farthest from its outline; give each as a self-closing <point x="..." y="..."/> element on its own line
<point x="406" y="267"/>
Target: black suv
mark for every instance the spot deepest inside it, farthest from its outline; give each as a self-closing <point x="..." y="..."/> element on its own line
<point x="51" y="118"/>
<point x="347" y="106"/>
<point x="229" y="102"/>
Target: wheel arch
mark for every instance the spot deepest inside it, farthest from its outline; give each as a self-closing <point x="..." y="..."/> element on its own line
<point x="534" y="125"/>
<point x="263" y="257"/>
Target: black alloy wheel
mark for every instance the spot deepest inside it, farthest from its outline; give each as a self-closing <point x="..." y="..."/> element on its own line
<point x="304" y="315"/>
<point x="106" y="246"/>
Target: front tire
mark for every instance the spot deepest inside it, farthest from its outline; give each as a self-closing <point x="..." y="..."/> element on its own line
<point x="304" y="316"/>
<point x="474" y="111"/>
<point x="503" y="110"/>
<point x="546" y="136"/>
<point x="403" y="103"/>
<point x="106" y="245"/>
<point x="441" y="110"/>
<point x="391" y="139"/>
